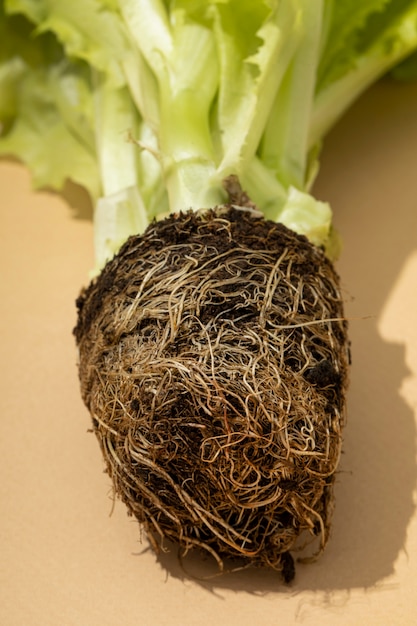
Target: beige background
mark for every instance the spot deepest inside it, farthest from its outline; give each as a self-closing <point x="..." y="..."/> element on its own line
<point x="64" y="560"/>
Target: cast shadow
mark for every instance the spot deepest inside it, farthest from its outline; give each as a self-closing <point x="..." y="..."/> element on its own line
<point x="76" y="197"/>
<point x="78" y="201"/>
<point x="377" y="216"/>
<point x="365" y="174"/>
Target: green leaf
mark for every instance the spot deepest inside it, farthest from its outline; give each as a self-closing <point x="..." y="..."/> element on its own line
<point x="386" y="39"/>
<point x="345" y="31"/>
<point x="90" y="30"/>
<point x="40" y="138"/>
<point x="44" y="108"/>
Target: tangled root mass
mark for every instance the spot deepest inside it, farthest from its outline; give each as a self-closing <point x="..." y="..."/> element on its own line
<point x="213" y="361"/>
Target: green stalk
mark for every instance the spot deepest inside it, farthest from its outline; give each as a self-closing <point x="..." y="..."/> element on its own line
<point x="182" y="56"/>
<point x="284" y="147"/>
<point x="249" y="81"/>
<point x="397" y="41"/>
<point x="187" y="90"/>
<point x="121" y="210"/>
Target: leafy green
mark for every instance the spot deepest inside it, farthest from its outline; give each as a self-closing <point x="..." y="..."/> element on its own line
<point x="44" y="108"/>
<point x="347" y="21"/>
<point x="385" y="37"/>
<point x="151" y="104"/>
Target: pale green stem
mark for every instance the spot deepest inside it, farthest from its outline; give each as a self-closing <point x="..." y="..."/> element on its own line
<point x="184" y="137"/>
<point x="248" y="86"/>
<point x="121" y="210"/>
<point x="285" y="143"/>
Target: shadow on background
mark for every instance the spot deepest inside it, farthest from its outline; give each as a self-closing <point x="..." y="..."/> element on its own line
<point x="78" y="199"/>
<point x="368" y="175"/>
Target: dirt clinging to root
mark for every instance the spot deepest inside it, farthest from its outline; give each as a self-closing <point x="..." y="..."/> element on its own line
<point x="213" y="361"/>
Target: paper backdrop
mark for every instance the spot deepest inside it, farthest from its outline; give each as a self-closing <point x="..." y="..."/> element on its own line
<point x="69" y="557"/>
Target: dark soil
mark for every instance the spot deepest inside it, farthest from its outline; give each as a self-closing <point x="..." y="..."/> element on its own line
<point x="213" y="360"/>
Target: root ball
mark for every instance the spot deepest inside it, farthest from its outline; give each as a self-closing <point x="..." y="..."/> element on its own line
<point x="213" y="360"/>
